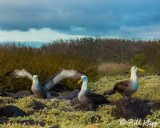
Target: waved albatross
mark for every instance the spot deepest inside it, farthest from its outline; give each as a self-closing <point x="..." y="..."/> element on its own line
<point x="127" y="87"/>
<point x="42" y="90"/>
<point x="88" y="98"/>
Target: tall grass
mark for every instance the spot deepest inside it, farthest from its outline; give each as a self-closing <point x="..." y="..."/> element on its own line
<point x="39" y="62"/>
<point x="86" y="55"/>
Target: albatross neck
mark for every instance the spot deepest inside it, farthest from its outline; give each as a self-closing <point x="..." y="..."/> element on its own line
<point x="84" y="86"/>
<point x="133" y="76"/>
<point x="36" y="82"/>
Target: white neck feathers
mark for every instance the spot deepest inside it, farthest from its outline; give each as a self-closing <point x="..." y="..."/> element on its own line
<point x="36" y="82"/>
<point x="133" y="76"/>
<point x="84" y="86"/>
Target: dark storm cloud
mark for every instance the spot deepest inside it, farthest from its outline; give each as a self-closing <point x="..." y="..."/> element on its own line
<point x="90" y="17"/>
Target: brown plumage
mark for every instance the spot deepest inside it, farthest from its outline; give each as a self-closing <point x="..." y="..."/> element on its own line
<point x="121" y="87"/>
<point x="127" y="87"/>
<point x="88" y="98"/>
<point x="96" y="98"/>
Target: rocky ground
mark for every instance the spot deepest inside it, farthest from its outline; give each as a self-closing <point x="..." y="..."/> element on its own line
<point x="24" y="110"/>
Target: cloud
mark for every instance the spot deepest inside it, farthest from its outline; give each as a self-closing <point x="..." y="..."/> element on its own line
<point x="34" y="35"/>
<point x="79" y="17"/>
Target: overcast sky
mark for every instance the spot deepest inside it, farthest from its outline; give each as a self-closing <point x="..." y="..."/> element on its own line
<point x="48" y="20"/>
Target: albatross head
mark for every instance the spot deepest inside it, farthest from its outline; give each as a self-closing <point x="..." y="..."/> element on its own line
<point x="84" y="87"/>
<point x="83" y="79"/>
<point x="134" y="70"/>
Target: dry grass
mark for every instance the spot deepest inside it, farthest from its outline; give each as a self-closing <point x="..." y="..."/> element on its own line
<point x="112" y="68"/>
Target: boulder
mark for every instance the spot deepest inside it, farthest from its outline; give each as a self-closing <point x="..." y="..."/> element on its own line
<point x="11" y="111"/>
<point x="135" y="108"/>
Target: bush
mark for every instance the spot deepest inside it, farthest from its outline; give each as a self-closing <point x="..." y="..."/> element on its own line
<point x="92" y="56"/>
<point x="36" y="61"/>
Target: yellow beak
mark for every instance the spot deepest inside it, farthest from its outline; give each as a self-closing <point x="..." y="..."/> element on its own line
<point x="80" y="81"/>
<point x="141" y="70"/>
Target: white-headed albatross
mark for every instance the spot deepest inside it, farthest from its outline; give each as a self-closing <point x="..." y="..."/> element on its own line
<point x="42" y="90"/>
<point x="88" y="98"/>
<point x="37" y="89"/>
<point x="127" y="87"/>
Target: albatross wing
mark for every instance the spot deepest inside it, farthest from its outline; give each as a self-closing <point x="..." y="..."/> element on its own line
<point x="97" y="98"/>
<point x="17" y="73"/>
<point x="121" y="86"/>
<point x="49" y="84"/>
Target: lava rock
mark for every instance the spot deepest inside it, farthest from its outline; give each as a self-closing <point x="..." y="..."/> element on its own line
<point x="72" y="94"/>
<point x="11" y="111"/>
<point x="8" y="94"/>
<point x="3" y="120"/>
<point x="38" y="105"/>
<point x="23" y="93"/>
<point x="135" y="108"/>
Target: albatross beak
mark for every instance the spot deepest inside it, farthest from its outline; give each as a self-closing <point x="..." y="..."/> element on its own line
<point x="140" y="70"/>
<point x="80" y="81"/>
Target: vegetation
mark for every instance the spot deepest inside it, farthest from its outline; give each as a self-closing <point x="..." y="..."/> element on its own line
<point x="105" y="61"/>
<point x="63" y="115"/>
<point x="93" y="56"/>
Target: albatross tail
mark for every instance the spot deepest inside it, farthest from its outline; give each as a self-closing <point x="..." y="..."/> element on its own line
<point x="110" y="92"/>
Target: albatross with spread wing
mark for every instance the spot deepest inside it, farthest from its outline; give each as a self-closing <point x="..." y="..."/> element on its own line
<point x="42" y="90"/>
